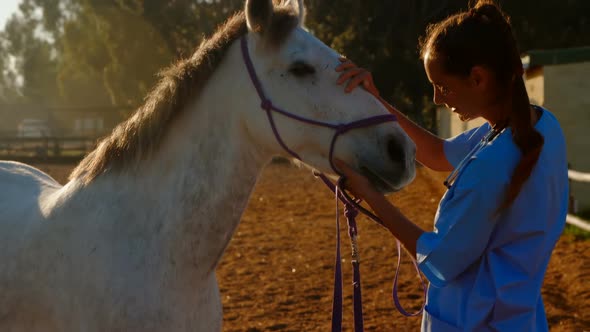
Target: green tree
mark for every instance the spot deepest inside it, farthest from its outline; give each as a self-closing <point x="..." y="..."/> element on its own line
<point x="383" y="35"/>
<point x="28" y="60"/>
<point x="8" y="78"/>
<point x="111" y="50"/>
<point x="108" y="52"/>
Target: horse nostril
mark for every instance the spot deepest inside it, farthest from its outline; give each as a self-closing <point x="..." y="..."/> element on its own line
<point x="396" y="151"/>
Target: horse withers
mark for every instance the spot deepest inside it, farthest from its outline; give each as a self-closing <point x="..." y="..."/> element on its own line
<point x="132" y="241"/>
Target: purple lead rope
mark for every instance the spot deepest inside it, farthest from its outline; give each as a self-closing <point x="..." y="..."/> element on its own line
<point x="351" y="211"/>
<point x="351" y="206"/>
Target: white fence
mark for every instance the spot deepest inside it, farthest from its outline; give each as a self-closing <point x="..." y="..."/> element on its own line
<point x="571" y="219"/>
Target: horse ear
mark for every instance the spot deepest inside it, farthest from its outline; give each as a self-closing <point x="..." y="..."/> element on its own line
<point x="258" y="14"/>
<point x="299" y="7"/>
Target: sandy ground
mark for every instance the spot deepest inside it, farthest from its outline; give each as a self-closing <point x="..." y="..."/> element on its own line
<point x="277" y="272"/>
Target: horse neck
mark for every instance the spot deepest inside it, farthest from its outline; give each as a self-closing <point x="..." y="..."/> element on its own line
<point x="196" y="186"/>
<point x="217" y="164"/>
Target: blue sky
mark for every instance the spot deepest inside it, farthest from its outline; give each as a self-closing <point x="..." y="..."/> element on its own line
<point x="7" y="8"/>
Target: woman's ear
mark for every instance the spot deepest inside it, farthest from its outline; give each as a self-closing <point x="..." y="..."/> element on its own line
<point x="480" y="77"/>
<point x="476" y="76"/>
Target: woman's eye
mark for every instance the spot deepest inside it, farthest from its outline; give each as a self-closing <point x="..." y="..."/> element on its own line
<point x="301" y="69"/>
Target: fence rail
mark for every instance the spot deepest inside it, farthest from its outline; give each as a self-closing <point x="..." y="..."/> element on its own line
<point x="578" y="176"/>
<point x="59" y="147"/>
<point x="572" y="219"/>
<point x="45" y="147"/>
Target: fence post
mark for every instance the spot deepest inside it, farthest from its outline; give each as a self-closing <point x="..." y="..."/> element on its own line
<point x="571" y="218"/>
<point x="573" y="205"/>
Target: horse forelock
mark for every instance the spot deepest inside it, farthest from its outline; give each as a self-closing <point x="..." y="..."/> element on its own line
<point x="136" y="138"/>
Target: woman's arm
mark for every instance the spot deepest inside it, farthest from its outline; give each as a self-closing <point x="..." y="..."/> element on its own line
<point x="399" y="225"/>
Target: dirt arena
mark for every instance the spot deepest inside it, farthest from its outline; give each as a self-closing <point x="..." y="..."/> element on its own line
<point x="277" y="272"/>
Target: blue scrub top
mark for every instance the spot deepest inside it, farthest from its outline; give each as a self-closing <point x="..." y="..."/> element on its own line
<point x="485" y="269"/>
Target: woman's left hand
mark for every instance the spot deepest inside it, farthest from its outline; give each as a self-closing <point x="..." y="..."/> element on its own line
<point x="356" y="183"/>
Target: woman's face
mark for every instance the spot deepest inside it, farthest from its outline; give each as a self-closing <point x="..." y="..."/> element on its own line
<point x="460" y="94"/>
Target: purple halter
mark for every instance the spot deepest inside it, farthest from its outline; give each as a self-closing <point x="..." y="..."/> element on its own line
<point x="266" y="104"/>
<point x="351" y="205"/>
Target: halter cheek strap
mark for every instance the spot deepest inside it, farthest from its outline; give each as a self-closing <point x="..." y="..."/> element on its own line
<point x="352" y="206"/>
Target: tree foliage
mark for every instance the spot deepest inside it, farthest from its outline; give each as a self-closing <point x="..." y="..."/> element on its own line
<point x="108" y="52"/>
<point x="28" y="57"/>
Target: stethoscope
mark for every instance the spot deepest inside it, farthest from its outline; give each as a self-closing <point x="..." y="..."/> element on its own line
<point x="490" y="136"/>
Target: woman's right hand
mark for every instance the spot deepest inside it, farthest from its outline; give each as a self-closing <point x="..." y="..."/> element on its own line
<point x="356" y="183"/>
<point x="355" y="76"/>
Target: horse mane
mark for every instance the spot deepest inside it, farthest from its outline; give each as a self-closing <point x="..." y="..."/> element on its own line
<point x="139" y="136"/>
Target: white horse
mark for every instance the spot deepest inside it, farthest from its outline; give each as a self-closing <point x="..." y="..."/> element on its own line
<point x="132" y="241"/>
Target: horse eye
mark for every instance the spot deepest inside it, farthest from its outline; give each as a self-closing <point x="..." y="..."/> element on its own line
<point x="301" y="69"/>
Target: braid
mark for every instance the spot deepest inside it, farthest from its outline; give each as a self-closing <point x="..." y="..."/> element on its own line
<point x="526" y="137"/>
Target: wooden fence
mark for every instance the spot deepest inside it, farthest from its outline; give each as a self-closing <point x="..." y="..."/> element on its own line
<point x="572" y="219"/>
<point x="50" y="147"/>
<point x="56" y="148"/>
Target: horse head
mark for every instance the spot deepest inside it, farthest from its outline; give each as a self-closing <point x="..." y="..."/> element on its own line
<point x="294" y="73"/>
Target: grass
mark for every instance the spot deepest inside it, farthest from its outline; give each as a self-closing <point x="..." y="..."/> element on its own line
<point x="578" y="233"/>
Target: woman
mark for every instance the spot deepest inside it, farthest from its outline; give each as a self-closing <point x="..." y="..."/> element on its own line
<point x="506" y="202"/>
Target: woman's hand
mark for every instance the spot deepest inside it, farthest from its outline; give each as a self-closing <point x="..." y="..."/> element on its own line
<point x="356" y="76"/>
<point x="354" y="182"/>
<point x="391" y="218"/>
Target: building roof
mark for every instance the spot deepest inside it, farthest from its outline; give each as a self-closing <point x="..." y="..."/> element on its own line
<point x="534" y="58"/>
